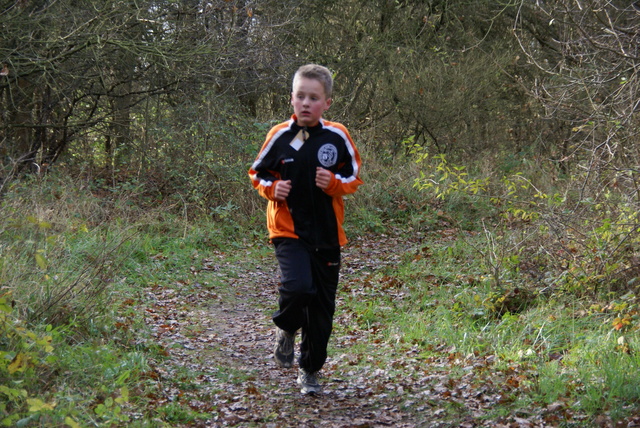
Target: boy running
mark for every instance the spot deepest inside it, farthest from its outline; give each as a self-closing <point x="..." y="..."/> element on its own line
<point x="304" y="168"/>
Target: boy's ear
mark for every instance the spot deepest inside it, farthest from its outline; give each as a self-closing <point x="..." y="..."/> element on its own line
<point x="328" y="103"/>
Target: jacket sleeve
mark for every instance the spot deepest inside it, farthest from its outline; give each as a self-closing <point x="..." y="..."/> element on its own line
<point x="264" y="171"/>
<point x="346" y="179"/>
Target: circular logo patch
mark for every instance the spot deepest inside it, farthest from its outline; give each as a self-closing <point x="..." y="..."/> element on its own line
<point x="328" y="155"/>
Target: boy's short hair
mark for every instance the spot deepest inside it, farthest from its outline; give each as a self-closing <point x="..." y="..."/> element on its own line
<point x="319" y="73"/>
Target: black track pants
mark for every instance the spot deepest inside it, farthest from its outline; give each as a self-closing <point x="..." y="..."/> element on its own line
<point x="307" y="297"/>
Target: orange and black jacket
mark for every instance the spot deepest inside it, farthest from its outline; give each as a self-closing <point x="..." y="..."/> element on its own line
<point x="309" y="213"/>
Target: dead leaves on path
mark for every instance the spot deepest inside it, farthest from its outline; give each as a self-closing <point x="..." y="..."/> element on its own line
<point x="216" y="337"/>
<point x="215" y="331"/>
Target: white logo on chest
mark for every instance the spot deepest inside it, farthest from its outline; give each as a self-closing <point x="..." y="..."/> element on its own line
<point x="328" y="155"/>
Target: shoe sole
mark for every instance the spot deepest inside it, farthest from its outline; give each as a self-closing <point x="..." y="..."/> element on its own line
<point x="283" y="361"/>
<point x="309" y="390"/>
<point x="306" y="391"/>
<point x="283" y="364"/>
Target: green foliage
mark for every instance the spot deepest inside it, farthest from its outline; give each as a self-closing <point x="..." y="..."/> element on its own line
<point x="387" y="196"/>
<point x="574" y="246"/>
<point x="24" y="354"/>
<point x="30" y="359"/>
<point x="109" y="412"/>
<point x="61" y="282"/>
<point x="549" y="352"/>
<point x="209" y="176"/>
<point x="447" y="295"/>
<point x="440" y="177"/>
<point x="174" y="413"/>
<point x="60" y="354"/>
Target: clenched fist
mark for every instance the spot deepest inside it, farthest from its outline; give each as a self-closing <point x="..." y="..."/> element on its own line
<point x="283" y="187"/>
<point x="323" y="178"/>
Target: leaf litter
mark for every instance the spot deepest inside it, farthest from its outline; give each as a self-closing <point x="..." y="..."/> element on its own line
<point x="215" y="333"/>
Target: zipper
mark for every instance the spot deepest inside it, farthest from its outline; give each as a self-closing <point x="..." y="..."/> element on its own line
<point x="316" y="232"/>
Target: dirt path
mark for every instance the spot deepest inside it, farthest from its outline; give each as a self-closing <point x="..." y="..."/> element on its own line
<point x="219" y="341"/>
<point x="211" y="327"/>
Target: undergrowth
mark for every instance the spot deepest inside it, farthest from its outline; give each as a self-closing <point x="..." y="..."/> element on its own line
<point x="74" y="261"/>
<point x="497" y="270"/>
<point x="540" y="351"/>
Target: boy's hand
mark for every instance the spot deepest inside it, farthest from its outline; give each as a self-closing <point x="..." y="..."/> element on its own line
<point x="283" y="187"/>
<point x="323" y="178"/>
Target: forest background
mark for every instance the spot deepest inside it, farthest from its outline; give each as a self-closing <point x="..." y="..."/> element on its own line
<point x="512" y="125"/>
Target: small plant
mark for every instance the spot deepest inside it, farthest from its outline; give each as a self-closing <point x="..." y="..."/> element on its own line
<point x="110" y="410"/>
<point x="440" y="176"/>
<point x="24" y="353"/>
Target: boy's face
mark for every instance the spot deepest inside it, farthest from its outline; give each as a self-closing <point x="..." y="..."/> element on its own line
<point x="309" y="101"/>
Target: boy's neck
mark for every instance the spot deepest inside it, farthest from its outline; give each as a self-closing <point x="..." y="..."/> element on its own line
<point x="307" y="126"/>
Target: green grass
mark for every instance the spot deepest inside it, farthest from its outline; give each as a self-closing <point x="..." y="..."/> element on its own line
<point x="174" y="413"/>
<point x="552" y="350"/>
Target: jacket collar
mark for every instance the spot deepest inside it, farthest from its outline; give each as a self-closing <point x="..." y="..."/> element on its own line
<point x="310" y="130"/>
